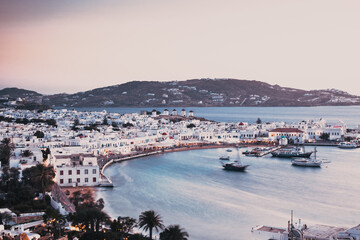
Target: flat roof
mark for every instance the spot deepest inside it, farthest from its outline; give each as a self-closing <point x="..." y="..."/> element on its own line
<point x="286" y="130"/>
<point x="322" y="231"/>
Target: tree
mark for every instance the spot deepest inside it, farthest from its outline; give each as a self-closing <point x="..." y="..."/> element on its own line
<point x="6" y="148"/>
<point x="191" y="125"/>
<point x="127" y="125"/>
<point x="52" y="216"/>
<point x="123" y="224"/>
<point x="45" y="153"/>
<point x="51" y="122"/>
<point x="325" y="136"/>
<point x="149" y="220"/>
<point x="43" y="178"/>
<point x="90" y="217"/>
<point x="76" y="122"/>
<point x="26" y="153"/>
<point x="39" y="134"/>
<point x="105" y="121"/>
<point x="76" y="198"/>
<point x="258" y="121"/>
<point x="174" y="232"/>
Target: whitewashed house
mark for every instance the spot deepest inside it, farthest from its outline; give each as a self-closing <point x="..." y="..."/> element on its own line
<point x="76" y="170"/>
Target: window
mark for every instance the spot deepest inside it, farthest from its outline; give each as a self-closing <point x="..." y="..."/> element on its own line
<point x="61" y="181"/>
<point x="70" y="172"/>
<point x="94" y="171"/>
<point x="61" y="172"/>
<point x="94" y="179"/>
<point x="86" y="171"/>
<point x="70" y="180"/>
<point x="78" y="180"/>
<point x="77" y="172"/>
<point x="86" y="180"/>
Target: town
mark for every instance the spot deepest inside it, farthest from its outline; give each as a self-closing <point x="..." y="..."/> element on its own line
<point x="79" y="145"/>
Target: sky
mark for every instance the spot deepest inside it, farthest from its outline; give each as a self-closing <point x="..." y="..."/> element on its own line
<point x="53" y="46"/>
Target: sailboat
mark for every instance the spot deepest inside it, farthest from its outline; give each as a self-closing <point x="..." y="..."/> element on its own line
<point x="235" y="165"/>
<point x="305" y="162"/>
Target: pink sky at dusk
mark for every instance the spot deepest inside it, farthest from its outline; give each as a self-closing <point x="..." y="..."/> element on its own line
<point x="54" y="47"/>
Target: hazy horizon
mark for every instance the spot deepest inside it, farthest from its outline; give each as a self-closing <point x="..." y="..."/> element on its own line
<point x="71" y="46"/>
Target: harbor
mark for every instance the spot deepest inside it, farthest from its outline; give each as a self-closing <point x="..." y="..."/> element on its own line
<point x="215" y="204"/>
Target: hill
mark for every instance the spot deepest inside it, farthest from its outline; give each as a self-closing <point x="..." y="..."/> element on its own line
<point x="199" y="92"/>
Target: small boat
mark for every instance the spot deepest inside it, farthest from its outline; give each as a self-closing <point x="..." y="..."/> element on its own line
<point x="291" y="152"/>
<point x="305" y="162"/>
<point x="251" y="153"/>
<point x="224" y="158"/>
<point x="347" y="145"/>
<point x="228" y="150"/>
<point x="234" y="166"/>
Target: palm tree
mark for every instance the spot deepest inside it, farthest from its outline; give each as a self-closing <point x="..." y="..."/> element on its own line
<point x="44" y="177"/>
<point x="149" y="220"/>
<point x="174" y="232"/>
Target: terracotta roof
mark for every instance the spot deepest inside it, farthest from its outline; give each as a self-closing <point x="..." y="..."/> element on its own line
<point x="286" y="130"/>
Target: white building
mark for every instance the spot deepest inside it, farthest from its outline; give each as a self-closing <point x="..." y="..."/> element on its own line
<point x="76" y="170"/>
<point x="293" y="135"/>
<point x="183" y="112"/>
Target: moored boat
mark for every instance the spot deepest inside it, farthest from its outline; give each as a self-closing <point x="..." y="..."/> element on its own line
<point x="234" y="166"/>
<point x="347" y="145"/>
<point x="224" y="158"/>
<point x="305" y="162"/>
<point x="291" y="152"/>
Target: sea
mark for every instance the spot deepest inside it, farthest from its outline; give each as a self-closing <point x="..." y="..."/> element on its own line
<point x="348" y="114"/>
<point x="191" y="189"/>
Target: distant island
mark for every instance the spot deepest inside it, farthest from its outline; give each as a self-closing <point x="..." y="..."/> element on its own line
<point x="191" y="93"/>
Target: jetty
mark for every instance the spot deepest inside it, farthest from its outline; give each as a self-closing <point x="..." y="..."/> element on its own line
<point x="263" y="153"/>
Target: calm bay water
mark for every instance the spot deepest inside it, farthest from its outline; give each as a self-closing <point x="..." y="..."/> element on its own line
<point x="349" y="114"/>
<point x="191" y="189"/>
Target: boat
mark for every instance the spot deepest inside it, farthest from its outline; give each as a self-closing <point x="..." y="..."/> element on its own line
<point x="224" y="158"/>
<point x="228" y="150"/>
<point x="251" y="153"/>
<point x="347" y="145"/>
<point x="306" y="162"/>
<point x="234" y="166"/>
<point x="291" y="152"/>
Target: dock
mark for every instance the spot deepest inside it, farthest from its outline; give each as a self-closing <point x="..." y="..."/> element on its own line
<point x="263" y="153"/>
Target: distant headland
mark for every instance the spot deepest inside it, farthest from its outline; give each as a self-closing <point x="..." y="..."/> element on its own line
<point x="195" y="93"/>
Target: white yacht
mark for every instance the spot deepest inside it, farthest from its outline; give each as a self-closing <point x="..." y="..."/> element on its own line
<point x="347" y="145"/>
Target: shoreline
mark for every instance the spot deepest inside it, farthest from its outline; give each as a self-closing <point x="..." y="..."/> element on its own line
<point x="136" y="155"/>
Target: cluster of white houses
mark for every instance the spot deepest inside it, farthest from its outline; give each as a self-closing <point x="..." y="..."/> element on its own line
<point x="75" y="147"/>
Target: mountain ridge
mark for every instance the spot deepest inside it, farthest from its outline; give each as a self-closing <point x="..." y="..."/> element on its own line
<point x="204" y="92"/>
